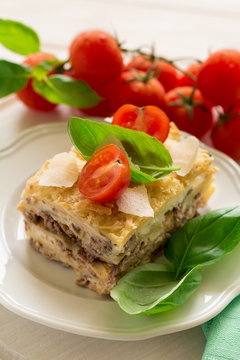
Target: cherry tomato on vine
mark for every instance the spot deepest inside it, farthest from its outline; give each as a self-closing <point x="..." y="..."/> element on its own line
<point x="226" y="133"/>
<point x="189" y="110"/>
<point x="27" y="95"/>
<point x="193" y="69"/>
<point x="137" y="88"/>
<point x="96" y="57"/>
<point x="106" y="175"/>
<point x="165" y="72"/>
<point x="149" y="119"/>
<point x="219" y="78"/>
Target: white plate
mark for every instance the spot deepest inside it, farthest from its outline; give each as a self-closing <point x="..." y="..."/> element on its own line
<point x="44" y="291"/>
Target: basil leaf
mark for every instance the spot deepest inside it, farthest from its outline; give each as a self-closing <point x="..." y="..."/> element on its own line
<point x="13" y="77"/>
<point x="18" y="37"/>
<point x="204" y="240"/>
<point x="60" y="89"/>
<point x="145" y="151"/>
<point x="40" y="71"/>
<point x="152" y="288"/>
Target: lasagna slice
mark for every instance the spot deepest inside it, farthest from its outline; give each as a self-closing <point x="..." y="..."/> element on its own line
<point x="97" y="240"/>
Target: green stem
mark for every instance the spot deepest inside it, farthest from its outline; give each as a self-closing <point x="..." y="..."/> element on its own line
<point x="153" y="57"/>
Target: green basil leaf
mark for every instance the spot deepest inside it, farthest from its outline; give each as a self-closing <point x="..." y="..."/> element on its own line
<point x="18" y="37"/>
<point x="13" y="77"/>
<point x="40" y="71"/>
<point x="152" y="288"/>
<point x="60" y="89"/>
<point x="145" y="151"/>
<point x="204" y="240"/>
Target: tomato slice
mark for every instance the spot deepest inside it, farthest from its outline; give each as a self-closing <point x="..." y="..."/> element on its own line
<point x="106" y="175"/>
<point x="149" y="119"/>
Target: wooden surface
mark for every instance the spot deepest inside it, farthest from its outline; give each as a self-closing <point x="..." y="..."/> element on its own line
<point x="177" y="28"/>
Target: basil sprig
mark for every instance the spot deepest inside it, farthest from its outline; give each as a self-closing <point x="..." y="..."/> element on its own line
<point x="18" y="37"/>
<point x="153" y="288"/>
<point x="144" y="150"/>
<point x="58" y="89"/>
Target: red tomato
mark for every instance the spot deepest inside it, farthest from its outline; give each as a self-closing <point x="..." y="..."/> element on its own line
<point x="103" y="108"/>
<point x="193" y="69"/>
<point x="96" y="57"/>
<point x="165" y="72"/>
<point x="226" y="134"/>
<point x="37" y="58"/>
<point x="219" y="78"/>
<point x="106" y="175"/>
<point x="27" y="95"/>
<point x="149" y="119"/>
<point x="131" y="89"/>
<point x="181" y="105"/>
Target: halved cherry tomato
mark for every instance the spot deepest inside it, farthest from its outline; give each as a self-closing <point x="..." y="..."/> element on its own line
<point x="106" y="175"/>
<point x="96" y="57"/>
<point x="27" y="95"/>
<point x="149" y="119"/>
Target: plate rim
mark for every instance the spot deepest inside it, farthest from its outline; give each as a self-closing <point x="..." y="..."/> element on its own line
<point x="28" y="135"/>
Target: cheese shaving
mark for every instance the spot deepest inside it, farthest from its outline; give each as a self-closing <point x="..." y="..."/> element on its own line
<point x="62" y="171"/>
<point x="184" y="154"/>
<point x="135" y="201"/>
<point x="169" y="143"/>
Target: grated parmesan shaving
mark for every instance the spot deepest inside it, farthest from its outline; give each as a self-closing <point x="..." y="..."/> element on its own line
<point x="135" y="201"/>
<point x="184" y="154"/>
<point x="62" y="171"/>
<point x="168" y="143"/>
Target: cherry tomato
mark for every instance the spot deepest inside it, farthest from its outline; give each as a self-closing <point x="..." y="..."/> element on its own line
<point x="135" y="88"/>
<point x="219" y="78"/>
<point x="149" y="119"/>
<point x="106" y="175"/>
<point x="226" y="133"/>
<point x="103" y="108"/>
<point x="38" y="58"/>
<point x="96" y="57"/>
<point x="165" y="72"/>
<point x="193" y="69"/>
<point x="189" y="110"/>
<point x="27" y="95"/>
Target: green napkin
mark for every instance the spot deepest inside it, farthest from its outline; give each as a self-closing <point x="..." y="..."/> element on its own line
<point x="223" y="334"/>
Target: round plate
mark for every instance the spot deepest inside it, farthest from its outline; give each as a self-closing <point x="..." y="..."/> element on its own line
<point x="44" y="291"/>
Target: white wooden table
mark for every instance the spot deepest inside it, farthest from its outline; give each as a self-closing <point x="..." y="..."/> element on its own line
<point x="177" y="28"/>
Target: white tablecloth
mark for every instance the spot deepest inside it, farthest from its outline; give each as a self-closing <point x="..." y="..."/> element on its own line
<point x="177" y="28"/>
